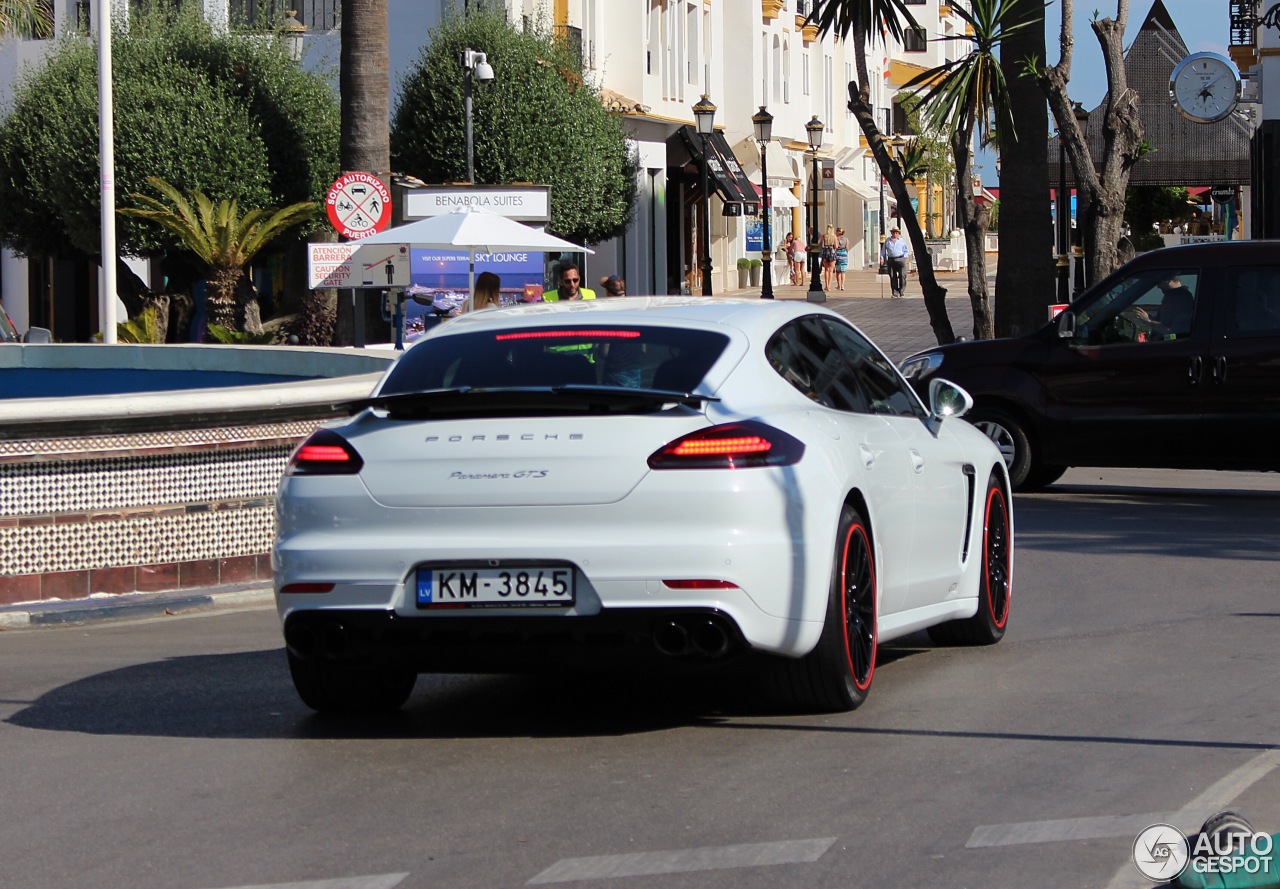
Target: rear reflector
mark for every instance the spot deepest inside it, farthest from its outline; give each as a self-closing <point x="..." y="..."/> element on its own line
<point x="325" y="452"/>
<point x="307" y="588"/>
<point x="697" y="584"/>
<point x="729" y="446"/>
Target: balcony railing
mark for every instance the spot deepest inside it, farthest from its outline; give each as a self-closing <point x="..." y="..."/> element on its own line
<point x="319" y="16"/>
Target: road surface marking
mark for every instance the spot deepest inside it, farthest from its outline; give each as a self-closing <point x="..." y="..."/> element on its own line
<point x="378" y="881"/>
<point x="680" y="861"/>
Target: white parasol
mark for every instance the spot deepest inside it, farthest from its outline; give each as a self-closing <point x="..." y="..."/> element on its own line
<point x="475" y="231"/>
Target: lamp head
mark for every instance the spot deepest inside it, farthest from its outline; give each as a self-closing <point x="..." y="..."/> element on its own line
<point x="704" y="112"/>
<point x="762" y="120"/>
<point x="814" y="130"/>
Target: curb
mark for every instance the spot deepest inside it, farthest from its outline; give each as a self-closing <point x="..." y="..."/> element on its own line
<point x="131" y="605"/>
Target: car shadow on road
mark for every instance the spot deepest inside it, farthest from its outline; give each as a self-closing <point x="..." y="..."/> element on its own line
<point x="250" y="696"/>
<point x="1188" y="523"/>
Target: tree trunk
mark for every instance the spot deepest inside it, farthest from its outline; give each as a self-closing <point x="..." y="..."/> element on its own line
<point x="973" y="219"/>
<point x="220" y="297"/>
<point x="1025" y="281"/>
<point x="935" y="295"/>
<point x="365" y="87"/>
<point x="1102" y="189"/>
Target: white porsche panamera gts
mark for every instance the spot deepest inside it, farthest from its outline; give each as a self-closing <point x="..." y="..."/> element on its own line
<point x="633" y="481"/>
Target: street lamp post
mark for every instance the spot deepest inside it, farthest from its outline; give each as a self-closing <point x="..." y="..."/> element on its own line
<point x="704" y="112"/>
<point x="475" y="66"/>
<point x="763" y="123"/>
<point x="816" y="294"/>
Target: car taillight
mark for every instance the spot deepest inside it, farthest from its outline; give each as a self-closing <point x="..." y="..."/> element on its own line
<point x="325" y="452"/>
<point x="729" y="446"/>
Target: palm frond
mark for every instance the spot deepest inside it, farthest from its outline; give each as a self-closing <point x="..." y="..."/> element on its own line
<point x="866" y="20"/>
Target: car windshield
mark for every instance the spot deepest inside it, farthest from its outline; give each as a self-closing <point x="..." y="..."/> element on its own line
<point x="626" y="356"/>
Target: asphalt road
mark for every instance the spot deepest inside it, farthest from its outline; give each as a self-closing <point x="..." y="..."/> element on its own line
<point x="1137" y="682"/>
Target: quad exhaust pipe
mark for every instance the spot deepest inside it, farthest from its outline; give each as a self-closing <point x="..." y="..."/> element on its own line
<point x="693" y="637"/>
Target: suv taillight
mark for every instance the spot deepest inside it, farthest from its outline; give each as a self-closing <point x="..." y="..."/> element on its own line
<point x="325" y="452"/>
<point x="729" y="446"/>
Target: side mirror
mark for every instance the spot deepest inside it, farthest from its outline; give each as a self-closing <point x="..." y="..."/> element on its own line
<point x="1066" y="324"/>
<point x="946" y="399"/>
<point x="37" y="335"/>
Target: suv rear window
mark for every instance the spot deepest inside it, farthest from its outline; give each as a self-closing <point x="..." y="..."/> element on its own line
<point x="627" y="356"/>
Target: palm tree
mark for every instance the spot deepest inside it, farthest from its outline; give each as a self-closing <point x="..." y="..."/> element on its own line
<point x="364" y="86"/>
<point x="26" y="18"/>
<point x="1024" y="289"/>
<point x="966" y="95"/>
<point x="861" y="22"/>
<point x="221" y="239"/>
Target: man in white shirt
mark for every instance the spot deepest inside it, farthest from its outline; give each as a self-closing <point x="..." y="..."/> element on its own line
<point x="894" y="255"/>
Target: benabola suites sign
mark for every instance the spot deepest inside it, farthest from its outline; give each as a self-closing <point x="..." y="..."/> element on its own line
<point x="358" y="205"/>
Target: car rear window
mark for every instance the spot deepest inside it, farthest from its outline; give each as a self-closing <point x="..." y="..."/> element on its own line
<point x="626" y="356"/>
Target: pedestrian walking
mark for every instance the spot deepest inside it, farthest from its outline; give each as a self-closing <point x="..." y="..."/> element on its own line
<point x="842" y="258"/>
<point x="827" y="253"/>
<point x="799" y="258"/>
<point x="789" y="251"/>
<point x="894" y="255"/>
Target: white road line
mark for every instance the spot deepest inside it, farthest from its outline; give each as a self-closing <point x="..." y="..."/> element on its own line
<point x="1062" y="829"/>
<point x="684" y="860"/>
<point x="378" y="881"/>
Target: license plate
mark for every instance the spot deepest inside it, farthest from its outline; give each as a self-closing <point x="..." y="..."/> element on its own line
<point x="517" y="587"/>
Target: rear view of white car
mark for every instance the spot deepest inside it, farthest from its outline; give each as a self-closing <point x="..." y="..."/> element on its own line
<point x="638" y="480"/>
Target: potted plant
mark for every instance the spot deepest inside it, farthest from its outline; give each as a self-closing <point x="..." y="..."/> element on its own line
<point x="744" y="273"/>
<point x="756" y="270"/>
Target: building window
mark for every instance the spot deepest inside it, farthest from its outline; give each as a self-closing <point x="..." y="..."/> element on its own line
<point x="804" y="64"/>
<point x="914" y="40"/>
<point x="777" y="70"/>
<point x="317" y="15"/>
<point x="786" y="72"/>
<point x="692" y="42"/>
<point x="829" y="88"/>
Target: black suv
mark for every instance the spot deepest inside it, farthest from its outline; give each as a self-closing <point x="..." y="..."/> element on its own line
<point x="1172" y="361"/>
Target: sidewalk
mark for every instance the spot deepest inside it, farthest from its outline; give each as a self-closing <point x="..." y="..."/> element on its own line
<point x="898" y="326"/>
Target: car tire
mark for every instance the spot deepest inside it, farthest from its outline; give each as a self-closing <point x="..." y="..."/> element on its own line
<point x="339" y="688"/>
<point x="1009" y="435"/>
<point x="837" y="674"/>
<point x="1041" y="477"/>
<point x="996" y="583"/>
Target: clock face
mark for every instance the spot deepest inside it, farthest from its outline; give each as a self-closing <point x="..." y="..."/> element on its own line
<point x="1204" y="87"/>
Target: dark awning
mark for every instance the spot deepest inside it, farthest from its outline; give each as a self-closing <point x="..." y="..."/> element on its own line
<point x="728" y="181"/>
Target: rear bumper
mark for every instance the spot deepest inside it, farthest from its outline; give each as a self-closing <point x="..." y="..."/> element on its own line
<point x="470" y="644"/>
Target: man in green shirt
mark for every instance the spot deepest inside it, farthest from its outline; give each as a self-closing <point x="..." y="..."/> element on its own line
<point x="570" y="281"/>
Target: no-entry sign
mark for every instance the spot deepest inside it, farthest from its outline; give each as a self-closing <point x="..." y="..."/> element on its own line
<point x="358" y="205"/>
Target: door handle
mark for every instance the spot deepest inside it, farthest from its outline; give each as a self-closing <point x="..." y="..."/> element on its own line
<point x="1195" y="367"/>
<point x="868" y="456"/>
<point x="917" y="462"/>
<point x="1219" y="369"/>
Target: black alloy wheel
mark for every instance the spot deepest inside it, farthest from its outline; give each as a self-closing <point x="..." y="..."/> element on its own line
<point x="837" y="674"/>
